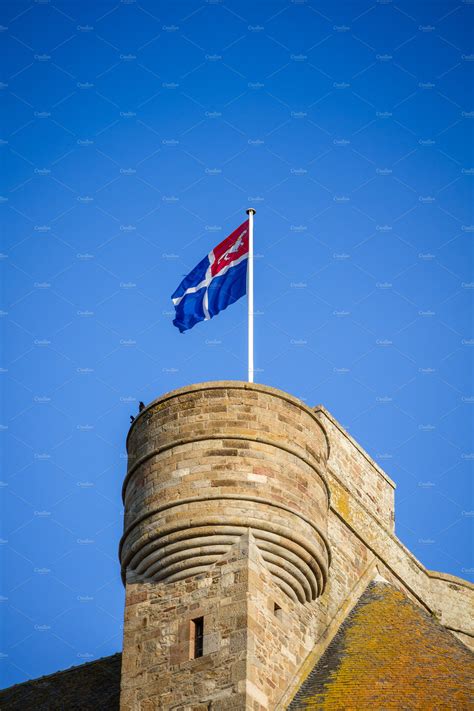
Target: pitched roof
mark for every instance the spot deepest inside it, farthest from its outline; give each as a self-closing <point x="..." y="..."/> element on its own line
<point x="87" y="687"/>
<point x="390" y="654"/>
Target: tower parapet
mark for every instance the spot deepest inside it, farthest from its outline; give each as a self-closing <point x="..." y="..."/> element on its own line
<point x="209" y="461"/>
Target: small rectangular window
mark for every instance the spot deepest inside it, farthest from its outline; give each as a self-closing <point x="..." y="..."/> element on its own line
<point x="196" y="638"/>
<point x="277" y="610"/>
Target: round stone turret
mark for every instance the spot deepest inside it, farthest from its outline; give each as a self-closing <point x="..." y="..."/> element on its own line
<point x="210" y="461"/>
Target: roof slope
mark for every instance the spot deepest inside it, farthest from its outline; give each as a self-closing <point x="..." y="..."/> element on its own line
<point x="88" y="687"/>
<point x="390" y="654"/>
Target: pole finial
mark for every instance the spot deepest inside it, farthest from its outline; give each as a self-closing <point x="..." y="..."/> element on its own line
<point x="250" y="211"/>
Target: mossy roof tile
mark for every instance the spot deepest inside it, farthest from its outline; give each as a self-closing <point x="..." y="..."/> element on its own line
<point x="390" y="654"/>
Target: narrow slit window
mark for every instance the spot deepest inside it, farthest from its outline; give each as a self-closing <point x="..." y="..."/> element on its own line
<point x="197" y="637"/>
<point x="277" y="610"/>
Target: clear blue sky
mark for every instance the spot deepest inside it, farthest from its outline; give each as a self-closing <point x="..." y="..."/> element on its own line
<point x="134" y="135"/>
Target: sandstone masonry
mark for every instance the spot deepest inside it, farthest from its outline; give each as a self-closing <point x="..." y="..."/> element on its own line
<point x="257" y="523"/>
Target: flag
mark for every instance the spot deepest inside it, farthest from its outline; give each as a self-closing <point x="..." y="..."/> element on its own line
<point x="216" y="282"/>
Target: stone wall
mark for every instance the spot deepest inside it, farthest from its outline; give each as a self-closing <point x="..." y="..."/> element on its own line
<point x="357" y="471"/>
<point x="255" y="638"/>
<point x="238" y="498"/>
<point x="157" y="670"/>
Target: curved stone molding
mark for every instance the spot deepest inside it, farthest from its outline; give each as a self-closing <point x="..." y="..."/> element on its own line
<point x="208" y="462"/>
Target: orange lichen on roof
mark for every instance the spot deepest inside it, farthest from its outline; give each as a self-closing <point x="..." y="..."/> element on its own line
<point x="390" y="654"/>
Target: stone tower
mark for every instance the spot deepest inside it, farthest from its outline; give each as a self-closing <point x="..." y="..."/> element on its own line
<point x="253" y="524"/>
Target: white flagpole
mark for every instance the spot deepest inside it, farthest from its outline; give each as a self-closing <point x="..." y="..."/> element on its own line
<point x="250" y="213"/>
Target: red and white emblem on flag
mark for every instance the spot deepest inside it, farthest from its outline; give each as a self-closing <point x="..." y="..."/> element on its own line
<point x="231" y="249"/>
